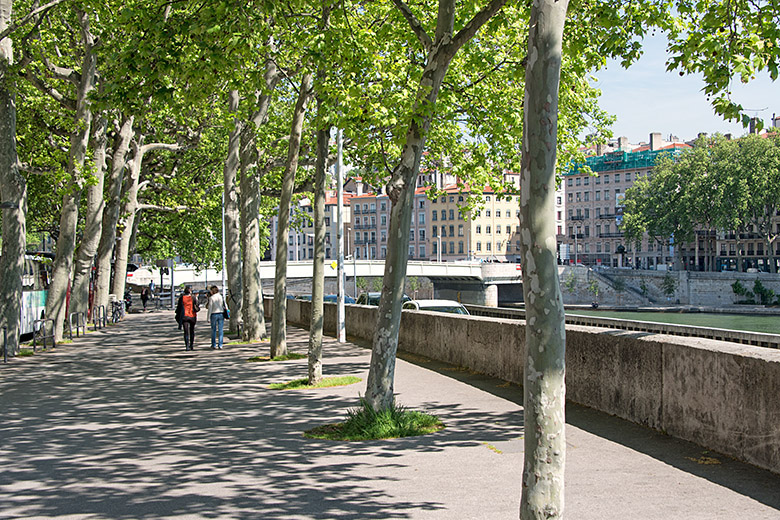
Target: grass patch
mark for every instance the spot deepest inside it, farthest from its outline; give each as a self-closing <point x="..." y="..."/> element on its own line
<point x="286" y="357"/>
<point x="297" y="384"/>
<point x="364" y="423"/>
<point x="25" y="352"/>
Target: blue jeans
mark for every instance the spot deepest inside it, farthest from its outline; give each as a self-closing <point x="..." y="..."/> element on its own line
<point x="217" y="323"/>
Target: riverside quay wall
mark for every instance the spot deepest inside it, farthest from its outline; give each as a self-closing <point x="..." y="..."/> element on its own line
<point x="722" y="396"/>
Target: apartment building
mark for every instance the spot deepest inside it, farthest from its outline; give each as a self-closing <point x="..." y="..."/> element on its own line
<point x="490" y="233"/>
<point x="594" y="204"/>
<point x="300" y="244"/>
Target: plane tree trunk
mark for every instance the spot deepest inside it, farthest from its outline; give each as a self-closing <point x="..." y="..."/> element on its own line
<point x="13" y="196"/>
<point x="111" y="212"/>
<point x="56" y="303"/>
<point x="233" y="295"/>
<point x="251" y="172"/>
<point x="90" y="237"/>
<point x="279" y="318"/>
<point x="544" y="395"/>
<point x="441" y="49"/>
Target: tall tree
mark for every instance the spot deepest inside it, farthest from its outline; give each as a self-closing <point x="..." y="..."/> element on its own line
<point x="279" y="317"/>
<point x="13" y="193"/>
<point x="544" y="397"/>
<point x="437" y="53"/>
<point x="232" y="216"/>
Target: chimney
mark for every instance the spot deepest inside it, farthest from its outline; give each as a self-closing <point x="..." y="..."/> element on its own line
<point x="775" y="121"/>
<point x="622" y="143"/>
<point x="656" y="141"/>
<point x="753" y="121"/>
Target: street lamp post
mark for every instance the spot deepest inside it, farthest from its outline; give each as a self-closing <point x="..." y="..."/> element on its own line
<point x="576" y="249"/>
<point x="438" y="249"/>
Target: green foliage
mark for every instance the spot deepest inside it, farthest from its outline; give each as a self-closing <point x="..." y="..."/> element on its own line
<point x="740" y="290"/>
<point x="364" y="423"/>
<point x="361" y="283"/>
<point x="668" y="285"/>
<point x="303" y="384"/>
<point x="570" y="282"/>
<point x="593" y="288"/>
<point x="619" y="285"/>
<point x="765" y="295"/>
<point x="643" y="288"/>
<point x="376" y="284"/>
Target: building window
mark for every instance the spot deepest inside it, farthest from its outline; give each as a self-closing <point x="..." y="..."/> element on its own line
<point x="422" y="251"/>
<point x="487" y="198"/>
<point x="587" y="196"/>
<point x="586" y="181"/>
<point x="487" y="230"/>
<point x="558" y="201"/>
<point x="434" y="215"/>
<point x="628" y="176"/>
<point x="498" y="230"/>
<point x="435" y="231"/>
<point x="598" y="179"/>
<point x="421" y="218"/>
<point x="598" y="195"/>
<point x="460" y="248"/>
<point x="327" y="221"/>
<point x="384" y="252"/>
<point x="384" y="236"/>
<point x="443" y="231"/>
<point x="617" y="178"/>
<point x="411" y="251"/>
<point x="460" y="230"/>
<point x="508" y="230"/>
<point x="478" y="230"/>
<point x="606" y="179"/>
<point x="577" y="196"/>
<point x="452" y="248"/>
<point x="578" y="181"/>
<point x="479" y="246"/>
<point x="452" y="214"/>
<point x="444" y="214"/>
<point x="422" y="234"/>
<point x="487" y="213"/>
<point x="606" y="194"/>
<point x="452" y="231"/>
<point x="452" y="199"/>
<point x="383" y="219"/>
<point x="488" y="246"/>
<point x="383" y="205"/>
<point x="570" y="182"/>
<point x="571" y="197"/>
<point x="587" y="213"/>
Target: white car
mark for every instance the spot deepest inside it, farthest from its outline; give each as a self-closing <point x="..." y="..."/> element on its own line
<point x="450" y="306"/>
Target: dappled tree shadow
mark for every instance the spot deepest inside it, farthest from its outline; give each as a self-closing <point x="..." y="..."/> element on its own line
<point x="126" y="424"/>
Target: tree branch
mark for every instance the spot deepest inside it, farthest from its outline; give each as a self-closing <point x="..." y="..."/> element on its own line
<point x="415" y="24"/>
<point x="168" y="209"/>
<point x="471" y="28"/>
<point x="36" y="82"/>
<point x="29" y="16"/>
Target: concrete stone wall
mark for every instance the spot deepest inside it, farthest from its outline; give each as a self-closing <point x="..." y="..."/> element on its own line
<point x="693" y="287"/>
<point x="720" y="395"/>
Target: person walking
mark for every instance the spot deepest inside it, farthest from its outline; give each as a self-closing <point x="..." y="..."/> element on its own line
<point x="144" y="296"/>
<point x="187" y="315"/>
<point x="216" y="309"/>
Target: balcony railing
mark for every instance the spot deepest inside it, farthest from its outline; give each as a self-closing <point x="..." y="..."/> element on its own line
<point x="611" y="235"/>
<point x="576" y="217"/>
<point x="362" y="241"/>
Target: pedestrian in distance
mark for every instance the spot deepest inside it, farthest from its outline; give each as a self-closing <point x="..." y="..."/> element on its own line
<point x="217" y="312"/>
<point x="187" y="315"/>
<point x="144" y="296"/>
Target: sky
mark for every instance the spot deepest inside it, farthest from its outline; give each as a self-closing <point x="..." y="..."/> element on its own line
<point x="645" y="98"/>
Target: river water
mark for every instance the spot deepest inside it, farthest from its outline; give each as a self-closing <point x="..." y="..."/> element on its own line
<point x="770" y="324"/>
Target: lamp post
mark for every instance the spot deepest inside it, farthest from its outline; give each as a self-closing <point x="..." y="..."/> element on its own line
<point x="340" y="311"/>
<point x="576" y="249"/>
<point x="438" y="250"/>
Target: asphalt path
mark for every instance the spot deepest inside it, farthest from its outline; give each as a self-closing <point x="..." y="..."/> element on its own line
<point x="124" y="424"/>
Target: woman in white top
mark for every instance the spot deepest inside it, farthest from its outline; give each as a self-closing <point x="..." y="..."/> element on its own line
<point x="216" y="309"/>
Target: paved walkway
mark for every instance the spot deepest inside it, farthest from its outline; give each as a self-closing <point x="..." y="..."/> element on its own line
<point x="125" y="424"/>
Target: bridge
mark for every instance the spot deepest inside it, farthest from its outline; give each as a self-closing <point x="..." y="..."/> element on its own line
<point x="476" y="283"/>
